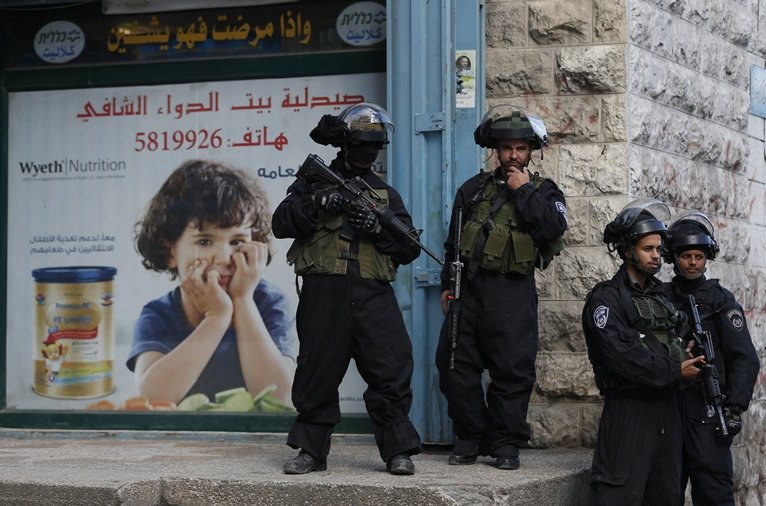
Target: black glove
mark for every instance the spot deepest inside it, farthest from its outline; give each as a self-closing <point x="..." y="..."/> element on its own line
<point x="328" y="199"/>
<point x="732" y="415"/>
<point x="364" y="219"/>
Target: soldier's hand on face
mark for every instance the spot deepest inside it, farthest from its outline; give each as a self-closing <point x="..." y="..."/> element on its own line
<point x="516" y="178"/>
<point x="689" y="368"/>
<point x="364" y="219"/>
<point x="328" y="199"/>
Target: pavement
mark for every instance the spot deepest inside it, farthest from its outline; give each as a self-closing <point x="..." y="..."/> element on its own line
<point x="162" y="468"/>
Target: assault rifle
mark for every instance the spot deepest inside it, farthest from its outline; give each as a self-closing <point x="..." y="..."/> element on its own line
<point x="314" y="169"/>
<point x="456" y="272"/>
<point x="711" y="387"/>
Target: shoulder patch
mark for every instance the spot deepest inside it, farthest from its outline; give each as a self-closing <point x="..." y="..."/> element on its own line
<point x="561" y="208"/>
<point x="736" y="318"/>
<point x="600" y="316"/>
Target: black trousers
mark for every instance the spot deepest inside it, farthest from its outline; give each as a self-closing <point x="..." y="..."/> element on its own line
<point x="637" y="460"/>
<point x="345" y="317"/>
<point x="498" y="332"/>
<point x="707" y="458"/>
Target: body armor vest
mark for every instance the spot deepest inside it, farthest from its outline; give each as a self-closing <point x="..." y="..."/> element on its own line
<point x="507" y="248"/>
<point x="326" y="252"/>
<point x="662" y="319"/>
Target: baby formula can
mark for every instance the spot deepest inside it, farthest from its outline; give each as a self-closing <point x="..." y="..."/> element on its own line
<point x="74" y="343"/>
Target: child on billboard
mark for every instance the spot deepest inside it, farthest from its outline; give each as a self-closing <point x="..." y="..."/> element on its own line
<point x="223" y="328"/>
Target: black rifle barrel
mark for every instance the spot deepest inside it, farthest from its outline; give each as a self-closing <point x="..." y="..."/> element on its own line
<point x="711" y="387"/>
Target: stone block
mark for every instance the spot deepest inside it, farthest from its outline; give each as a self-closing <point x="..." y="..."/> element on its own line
<point x="694" y="11"/>
<point x="594" y="69"/>
<point x="603" y="211"/>
<point x="733" y="238"/>
<point x="730" y="21"/>
<point x="610" y="21"/>
<point x="554" y="425"/>
<point x="506" y="24"/>
<point x="577" y="222"/>
<point x="757" y="299"/>
<point x="758" y="41"/>
<point x="664" y="35"/>
<point x="579" y="269"/>
<point x="552" y="22"/>
<point x="725" y="61"/>
<point x="593" y="169"/>
<point x="564" y="375"/>
<point x="755" y="129"/>
<point x="736" y="279"/>
<point x="546" y="284"/>
<point x="755" y="170"/>
<point x="613" y="122"/>
<point x="757" y="256"/>
<point x="512" y="73"/>
<point x="669" y="130"/>
<point x="687" y="90"/>
<point x="560" y="326"/>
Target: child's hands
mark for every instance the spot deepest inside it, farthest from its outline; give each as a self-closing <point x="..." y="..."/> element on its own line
<point x="201" y="286"/>
<point x="250" y="264"/>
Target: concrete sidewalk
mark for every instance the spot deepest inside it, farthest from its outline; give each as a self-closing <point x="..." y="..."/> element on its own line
<point x="140" y="468"/>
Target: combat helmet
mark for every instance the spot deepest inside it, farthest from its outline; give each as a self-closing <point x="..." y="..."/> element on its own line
<point x="690" y="230"/>
<point x="638" y="218"/>
<point x="365" y="122"/>
<point x="507" y="122"/>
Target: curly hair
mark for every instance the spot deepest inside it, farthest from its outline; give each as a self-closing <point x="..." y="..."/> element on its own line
<point x="197" y="193"/>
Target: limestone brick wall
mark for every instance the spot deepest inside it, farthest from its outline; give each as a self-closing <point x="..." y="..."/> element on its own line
<point x="641" y="98"/>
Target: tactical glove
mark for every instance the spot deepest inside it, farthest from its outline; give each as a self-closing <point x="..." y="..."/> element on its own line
<point x="364" y="219"/>
<point x="329" y="200"/>
<point x="732" y="415"/>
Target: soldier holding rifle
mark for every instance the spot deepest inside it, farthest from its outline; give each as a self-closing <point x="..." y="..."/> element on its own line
<point x="511" y="221"/>
<point x="347" y="249"/>
<point x="710" y="420"/>
<point x="633" y="336"/>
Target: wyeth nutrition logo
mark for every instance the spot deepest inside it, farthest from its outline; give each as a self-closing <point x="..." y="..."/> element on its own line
<point x="68" y="168"/>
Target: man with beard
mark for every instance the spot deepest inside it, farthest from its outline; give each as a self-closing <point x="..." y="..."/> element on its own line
<point x="639" y="361"/>
<point x="347" y="308"/>
<point x="707" y="458"/>
<point x="512" y="221"/>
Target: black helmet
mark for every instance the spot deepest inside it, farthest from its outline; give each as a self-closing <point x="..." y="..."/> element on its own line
<point x="507" y="122"/>
<point x="690" y="230"/>
<point x="638" y="218"/>
<point x="364" y="122"/>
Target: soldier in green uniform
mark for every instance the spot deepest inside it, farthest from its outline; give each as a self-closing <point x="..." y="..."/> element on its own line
<point x="513" y="221"/>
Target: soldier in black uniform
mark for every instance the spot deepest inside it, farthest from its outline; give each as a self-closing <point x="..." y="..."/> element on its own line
<point x="347" y="308"/>
<point x="513" y="221"/>
<point x="639" y="362"/>
<point x="706" y="455"/>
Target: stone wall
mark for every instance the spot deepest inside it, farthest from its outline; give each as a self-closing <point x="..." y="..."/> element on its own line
<point x="641" y="98"/>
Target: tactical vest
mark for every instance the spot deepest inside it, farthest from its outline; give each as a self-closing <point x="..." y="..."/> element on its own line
<point x="662" y="319"/>
<point x="326" y="252"/>
<point x="507" y="248"/>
